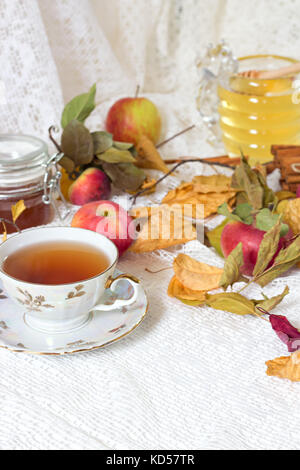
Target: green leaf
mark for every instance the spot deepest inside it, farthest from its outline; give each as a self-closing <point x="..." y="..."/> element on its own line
<point x="113" y="155"/>
<point x="269" y="304"/>
<point x="214" y="237"/>
<point x="79" y="108"/>
<point x="269" y="197"/>
<point x="125" y="176"/>
<point x="102" y="141"/>
<point x="67" y="164"/>
<point x="77" y="143"/>
<point x="123" y="145"/>
<point x="248" y="181"/>
<point x="231" y="302"/>
<point x="265" y="220"/>
<point x="233" y="264"/>
<point x="285" y="260"/>
<point x="242" y="213"/>
<point x="267" y="249"/>
<point x="224" y="210"/>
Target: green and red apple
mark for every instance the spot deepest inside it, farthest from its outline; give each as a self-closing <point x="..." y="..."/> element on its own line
<point x="92" y="185"/>
<point x="108" y="219"/>
<point x="130" y="118"/>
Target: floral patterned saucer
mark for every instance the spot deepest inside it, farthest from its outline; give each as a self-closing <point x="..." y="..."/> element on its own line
<point x="102" y="329"/>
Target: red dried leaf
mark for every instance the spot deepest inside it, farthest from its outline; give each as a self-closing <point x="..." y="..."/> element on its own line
<point x="286" y="332"/>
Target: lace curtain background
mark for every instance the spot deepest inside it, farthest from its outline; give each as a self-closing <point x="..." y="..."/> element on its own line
<point x="187" y="378"/>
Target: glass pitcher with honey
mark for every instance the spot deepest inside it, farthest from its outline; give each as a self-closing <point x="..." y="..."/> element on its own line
<point x="248" y="115"/>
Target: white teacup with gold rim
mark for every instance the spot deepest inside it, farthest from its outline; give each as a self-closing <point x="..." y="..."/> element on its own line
<point x="63" y="307"/>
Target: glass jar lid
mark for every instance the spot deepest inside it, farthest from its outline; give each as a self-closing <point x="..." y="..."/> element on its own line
<point x="23" y="160"/>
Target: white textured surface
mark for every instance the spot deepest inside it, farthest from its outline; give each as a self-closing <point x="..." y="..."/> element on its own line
<point x="187" y="378"/>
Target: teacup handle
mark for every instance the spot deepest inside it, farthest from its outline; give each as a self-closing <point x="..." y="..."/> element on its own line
<point x="112" y="284"/>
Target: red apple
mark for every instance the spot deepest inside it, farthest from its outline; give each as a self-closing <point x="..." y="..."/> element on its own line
<point x="130" y="118"/>
<point x="108" y="219"/>
<point x="92" y="185"/>
<point x="250" y="237"/>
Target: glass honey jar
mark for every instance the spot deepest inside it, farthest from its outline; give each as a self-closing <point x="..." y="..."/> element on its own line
<point x="27" y="173"/>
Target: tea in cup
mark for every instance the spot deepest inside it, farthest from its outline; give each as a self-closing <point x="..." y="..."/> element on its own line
<point x="59" y="274"/>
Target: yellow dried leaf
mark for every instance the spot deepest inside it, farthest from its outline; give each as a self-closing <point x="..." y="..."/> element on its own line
<point x="212" y="184"/>
<point x="17" y="210"/>
<point x="147" y="211"/>
<point x="148" y="156"/>
<point x="179" y="291"/>
<point x="147" y="184"/>
<point x="196" y="275"/>
<point x="65" y="184"/>
<point x="210" y="201"/>
<point x="165" y="227"/>
<point x="291" y="215"/>
<point x="285" y="367"/>
<point x="4" y="235"/>
<point x="284" y="195"/>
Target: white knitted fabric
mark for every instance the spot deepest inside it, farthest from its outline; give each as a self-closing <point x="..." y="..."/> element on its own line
<point x="188" y="378"/>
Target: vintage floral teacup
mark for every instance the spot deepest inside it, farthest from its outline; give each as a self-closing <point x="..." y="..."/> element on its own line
<point x="60" y="308"/>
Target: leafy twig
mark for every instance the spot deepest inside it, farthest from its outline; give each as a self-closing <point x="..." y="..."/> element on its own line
<point x="191" y="160"/>
<point x="176" y="135"/>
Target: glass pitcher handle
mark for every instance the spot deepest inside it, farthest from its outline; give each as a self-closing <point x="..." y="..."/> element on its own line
<point x="217" y="65"/>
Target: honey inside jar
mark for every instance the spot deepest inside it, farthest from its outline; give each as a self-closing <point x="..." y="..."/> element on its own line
<point x="22" y="168"/>
<point x="258" y="113"/>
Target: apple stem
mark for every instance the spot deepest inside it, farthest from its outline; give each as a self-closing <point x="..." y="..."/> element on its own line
<point x="50" y="130"/>
<point x="176" y="135"/>
<point x="137" y="91"/>
<point x="191" y="160"/>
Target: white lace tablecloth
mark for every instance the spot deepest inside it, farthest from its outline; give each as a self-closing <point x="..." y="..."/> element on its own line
<point x="188" y="378"/>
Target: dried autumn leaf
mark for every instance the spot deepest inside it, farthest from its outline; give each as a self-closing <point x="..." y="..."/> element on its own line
<point x="17" y="210"/>
<point x="267" y="249"/>
<point x="148" y="156"/>
<point x="231" y="302"/>
<point x="165" y="227"/>
<point x="203" y="205"/>
<point x="232" y="267"/>
<point x="285" y="367"/>
<point x="125" y="176"/>
<point x="123" y="145"/>
<point x="286" y="332"/>
<point x="4" y="235"/>
<point x="179" y="291"/>
<point x="214" y="237"/>
<point x="247" y="181"/>
<point x="149" y="185"/>
<point x="147" y="211"/>
<point x="102" y="141"/>
<point x="67" y="164"/>
<point x="77" y="143"/>
<point x="113" y="155"/>
<point x="285" y="260"/>
<point x="284" y="195"/>
<point x="196" y="275"/>
<point x="211" y="184"/>
<point x="291" y="215"/>
<point x="268" y="304"/>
